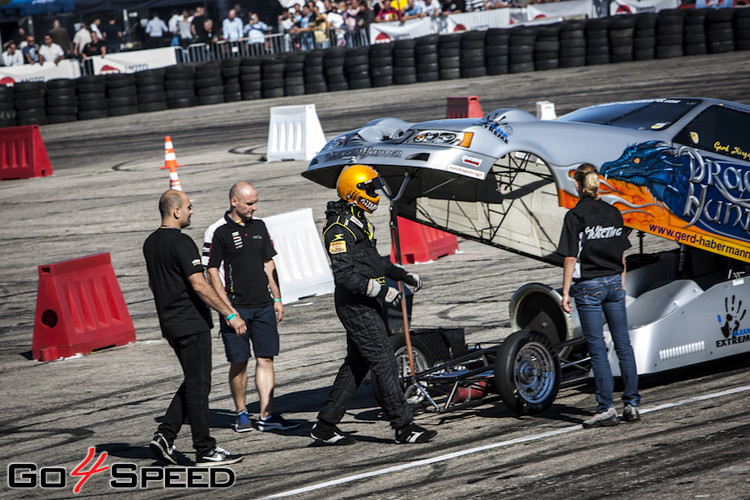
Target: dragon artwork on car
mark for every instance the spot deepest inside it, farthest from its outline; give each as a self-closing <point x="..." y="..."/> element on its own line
<point x="677" y="168"/>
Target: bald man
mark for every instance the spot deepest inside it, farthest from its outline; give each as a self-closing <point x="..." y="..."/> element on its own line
<point x="239" y="245"/>
<point x="181" y="293"/>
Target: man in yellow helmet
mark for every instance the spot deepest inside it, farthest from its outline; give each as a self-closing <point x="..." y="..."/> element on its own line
<point x="359" y="273"/>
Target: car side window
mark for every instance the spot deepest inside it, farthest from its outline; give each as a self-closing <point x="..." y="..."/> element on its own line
<point x="719" y="130"/>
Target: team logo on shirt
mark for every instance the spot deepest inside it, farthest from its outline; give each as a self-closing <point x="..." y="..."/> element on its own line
<point x="237" y="239"/>
<point x="599" y="232"/>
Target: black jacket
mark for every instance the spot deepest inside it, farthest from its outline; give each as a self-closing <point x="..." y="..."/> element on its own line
<point x="351" y="245"/>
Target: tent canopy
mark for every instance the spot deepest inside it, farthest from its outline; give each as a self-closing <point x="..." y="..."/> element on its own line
<point x="34" y="7"/>
<point x="85" y="6"/>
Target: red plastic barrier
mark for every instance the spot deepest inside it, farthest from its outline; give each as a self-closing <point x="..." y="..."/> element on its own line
<point x="464" y="107"/>
<point x="421" y="243"/>
<point x="79" y="308"/>
<point x="22" y="153"/>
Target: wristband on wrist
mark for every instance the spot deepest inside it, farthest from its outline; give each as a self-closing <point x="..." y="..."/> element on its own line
<point x="230" y="317"/>
<point x="277" y="300"/>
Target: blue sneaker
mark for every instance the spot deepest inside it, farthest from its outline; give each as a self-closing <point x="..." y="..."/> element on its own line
<point x="242" y="423"/>
<point x="275" y="422"/>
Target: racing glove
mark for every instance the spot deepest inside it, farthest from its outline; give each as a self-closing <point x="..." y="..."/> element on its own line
<point x="413" y="280"/>
<point x="373" y="288"/>
<point x="391" y="296"/>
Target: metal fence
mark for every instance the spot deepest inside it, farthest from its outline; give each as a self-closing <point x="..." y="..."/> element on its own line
<point x="275" y="43"/>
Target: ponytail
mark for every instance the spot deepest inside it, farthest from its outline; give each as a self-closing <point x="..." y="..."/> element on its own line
<point x="587" y="177"/>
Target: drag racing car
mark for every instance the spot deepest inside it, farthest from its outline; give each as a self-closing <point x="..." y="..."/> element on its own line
<point x="678" y="168"/>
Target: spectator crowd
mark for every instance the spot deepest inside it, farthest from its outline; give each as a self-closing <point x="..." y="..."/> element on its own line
<point x="312" y="24"/>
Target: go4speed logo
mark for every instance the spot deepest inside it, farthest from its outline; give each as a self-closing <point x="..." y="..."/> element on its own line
<point x="25" y="475"/>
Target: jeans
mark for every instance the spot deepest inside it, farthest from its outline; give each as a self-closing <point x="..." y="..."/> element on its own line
<point x="191" y="399"/>
<point x="607" y="295"/>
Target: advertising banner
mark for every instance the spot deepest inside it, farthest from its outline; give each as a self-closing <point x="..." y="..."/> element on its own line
<point x="637" y="6"/>
<point x="67" y="68"/>
<point x="130" y="62"/>
<point x="569" y="8"/>
<point x="415" y="28"/>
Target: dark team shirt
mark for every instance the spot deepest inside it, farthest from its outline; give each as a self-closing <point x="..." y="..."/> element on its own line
<point x="593" y="232"/>
<point x="171" y="258"/>
<point x="244" y="250"/>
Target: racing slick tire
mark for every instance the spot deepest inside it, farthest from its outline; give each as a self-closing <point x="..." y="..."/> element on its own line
<point x="527" y="372"/>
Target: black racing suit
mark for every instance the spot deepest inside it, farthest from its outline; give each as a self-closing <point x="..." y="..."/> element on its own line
<point x="348" y="237"/>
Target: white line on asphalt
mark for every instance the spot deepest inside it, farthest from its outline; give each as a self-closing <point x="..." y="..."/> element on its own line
<point x="451" y="456"/>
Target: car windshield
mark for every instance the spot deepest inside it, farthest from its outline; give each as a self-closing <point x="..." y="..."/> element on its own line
<point x="651" y="114"/>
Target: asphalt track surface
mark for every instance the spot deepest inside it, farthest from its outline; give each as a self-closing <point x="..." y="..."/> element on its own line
<point x="693" y="442"/>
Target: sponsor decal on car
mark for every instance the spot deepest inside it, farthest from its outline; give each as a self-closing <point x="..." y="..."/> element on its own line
<point x="731" y="323"/>
<point x="470" y="160"/>
<point x="363" y="152"/>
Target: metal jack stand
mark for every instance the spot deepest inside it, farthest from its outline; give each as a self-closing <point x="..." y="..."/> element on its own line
<point x="414" y="387"/>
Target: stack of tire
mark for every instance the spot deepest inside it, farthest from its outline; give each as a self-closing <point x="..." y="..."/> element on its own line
<point x="208" y="83"/>
<point x="742" y="29"/>
<point x="92" y="97"/>
<point x="122" y="94"/>
<point x="472" y="54"/>
<point x="597" y="41"/>
<point x="357" y="67"/>
<point x="179" y="85"/>
<point x="644" y="36"/>
<point x="230" y="75"/>
<point x="547" y="47"/>
<point x="151" y="93"/>
<point x="7" y="107"/>
<point x="315" y="80"/>
<point x="62" y="101"/>
<point x="719" y="30"/>
<point x="572" y="44"/>
<point x="404" y="62"/>
<point x="272" y="76"/>
<point x="694" y="32"/>
<point x="250" y="78"/>
<point x="333" y="68"/>
<point x="521" y="49"/>
<point x="30" y="103"/>
<point x="426" y="54"/>
<point x="449" y="51"/>
<point x="381" y="65"/>
<point x="669" y="30"/>
<point x="294" y="74"/>
<point x="621" y="30"/>
<point x="496" y="42"/>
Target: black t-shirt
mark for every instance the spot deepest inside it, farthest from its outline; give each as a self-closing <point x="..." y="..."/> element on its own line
<point x="593" y="232"/>
<point x="93" y="48"/>
<point x="111" y="30"/>
<point x="200" y="31"/>
<point x="244" y="250"/>
<point x="171" y="258"/>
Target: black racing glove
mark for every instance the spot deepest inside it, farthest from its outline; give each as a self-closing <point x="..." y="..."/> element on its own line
<point x="413" y="280"/>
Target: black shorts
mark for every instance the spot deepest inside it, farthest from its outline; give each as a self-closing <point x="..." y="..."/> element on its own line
<point x="261" y="331"/>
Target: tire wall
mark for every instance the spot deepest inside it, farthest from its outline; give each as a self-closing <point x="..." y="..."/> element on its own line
<point x="668" y="33"/>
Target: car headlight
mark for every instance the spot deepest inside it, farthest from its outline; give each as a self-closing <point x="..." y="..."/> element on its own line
<point x="441" y="138"/>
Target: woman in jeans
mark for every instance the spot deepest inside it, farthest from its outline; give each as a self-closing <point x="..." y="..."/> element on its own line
<point x="593" y="241"/>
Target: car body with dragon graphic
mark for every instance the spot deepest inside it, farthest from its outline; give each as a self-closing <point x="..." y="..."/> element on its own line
<point x="678" y="168"/>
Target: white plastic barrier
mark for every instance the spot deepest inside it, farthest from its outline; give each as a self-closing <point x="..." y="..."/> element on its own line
<point x="294" y="133"/>
<point x="301" y="262"/>
<point x="545" y="110"/>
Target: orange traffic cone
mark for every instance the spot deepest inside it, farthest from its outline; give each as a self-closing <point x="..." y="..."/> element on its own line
<point x="170" y="162"/>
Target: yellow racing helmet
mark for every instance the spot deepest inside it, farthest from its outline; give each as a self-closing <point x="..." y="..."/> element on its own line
<point x="358" y="185"/>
